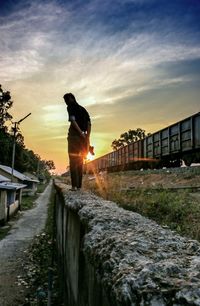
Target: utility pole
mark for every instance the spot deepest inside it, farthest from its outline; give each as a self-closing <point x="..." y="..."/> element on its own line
<point x="14" y="142"/>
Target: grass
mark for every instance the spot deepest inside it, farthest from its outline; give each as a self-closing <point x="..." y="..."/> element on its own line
<point x="4" y="231"/>
<point x="27" y="202"/>
<point x="41" y="256"/>
<point x="176" y="209"/>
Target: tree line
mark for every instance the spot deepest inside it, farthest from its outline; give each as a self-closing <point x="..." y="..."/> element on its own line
<point x="128" y="137"/>
<point x="25" y="160"/>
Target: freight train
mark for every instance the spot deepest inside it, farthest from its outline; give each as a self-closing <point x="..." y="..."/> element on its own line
<point x="165" y="148"/>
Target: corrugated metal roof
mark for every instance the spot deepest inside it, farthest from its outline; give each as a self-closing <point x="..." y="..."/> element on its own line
<point x="11" y="186"/>
<point x="16" y="173"/>
<point x="32" y="177"/>
<point x="4" y="179"/>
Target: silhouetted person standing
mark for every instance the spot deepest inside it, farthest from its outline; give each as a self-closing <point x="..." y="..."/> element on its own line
<point x="78" y="138"/>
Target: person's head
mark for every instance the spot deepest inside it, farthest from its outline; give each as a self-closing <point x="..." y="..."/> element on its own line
<point x="69" y="98"/>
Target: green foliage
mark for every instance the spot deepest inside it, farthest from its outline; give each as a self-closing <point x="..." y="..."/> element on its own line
<point x="128" y="137"/>
<point x="5" y="105"/>
<point x="174" y="209"/>
<point x="4" y="231"/>
<point x="29" y="201"/>
<point x="6" y="143"/>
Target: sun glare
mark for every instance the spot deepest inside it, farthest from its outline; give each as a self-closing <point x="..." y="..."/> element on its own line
<point x="89" y="157"/>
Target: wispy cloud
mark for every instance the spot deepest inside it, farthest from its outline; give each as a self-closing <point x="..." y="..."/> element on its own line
<point x="44" y="38"/>
<point x="115" y="57"/>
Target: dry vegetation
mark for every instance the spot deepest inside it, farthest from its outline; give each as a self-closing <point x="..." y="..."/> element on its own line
<point x="170" y="198"/>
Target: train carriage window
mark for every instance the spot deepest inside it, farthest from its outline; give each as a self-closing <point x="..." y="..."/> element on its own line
<point x="150" y="151"/>
<point x="130" y="153"/>
<point x="186" y="125"/>
<point x="165" y="146"/>
<point x="174" y="129"/>
<point x="135" y="150"/>
<point x="186" y="145"/>
<point x="120" y="157"/>
<point x="165" y="134"/>
<point x="156" y="137"/>
<point x="149" y="146"/>
<point x="149" y="139"/>
<point x="186" y="135"/>
<point x="126" y="154"/>
<point x="105" y="162"/>
<point x="186" y="141"/>
<point x="113" y="158"/>
<point x="117" y="157"/>
<point x="157" y="150"/>
<point x="174" y="143"/>
<point x="110" y="159"/>
<point x="197" y="131"/>
<point x="123" y="156"/>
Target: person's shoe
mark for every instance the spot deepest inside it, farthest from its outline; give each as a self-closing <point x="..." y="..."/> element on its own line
<point x="72" y="189"/>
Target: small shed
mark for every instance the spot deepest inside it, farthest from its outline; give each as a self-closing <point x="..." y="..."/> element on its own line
<point x="33" y="183"/>
<point x="10" y="198"/>
<point x="18" y="177"/>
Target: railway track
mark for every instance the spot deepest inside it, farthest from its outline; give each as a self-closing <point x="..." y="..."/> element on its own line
<point x="173" y="188"/>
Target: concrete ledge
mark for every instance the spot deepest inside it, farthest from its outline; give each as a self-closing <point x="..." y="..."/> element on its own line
<point x="111" y="256"/>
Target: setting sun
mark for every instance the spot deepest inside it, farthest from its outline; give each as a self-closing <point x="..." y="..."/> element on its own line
<point x="90" y="157"/>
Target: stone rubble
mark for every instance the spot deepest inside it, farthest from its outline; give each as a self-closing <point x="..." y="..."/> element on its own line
<point x="139" y="262"/>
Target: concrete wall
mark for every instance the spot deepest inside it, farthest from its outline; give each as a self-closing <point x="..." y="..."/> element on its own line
<point x="112" y="257"/>
<point x="3" y="206"/>
<point x="6" y="213"/>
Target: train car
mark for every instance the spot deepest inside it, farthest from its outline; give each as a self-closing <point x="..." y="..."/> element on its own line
<point x="97" y="165"/>
<point x="179" y="141"/>
<point x="167" y="147"/>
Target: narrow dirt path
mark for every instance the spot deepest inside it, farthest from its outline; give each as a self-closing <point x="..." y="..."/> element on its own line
<point x="12" y="249"/>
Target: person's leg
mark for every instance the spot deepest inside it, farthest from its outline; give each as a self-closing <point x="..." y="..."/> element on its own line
<point x="82" y="156"/>
<point x="73" y="151"/>
<point x="80" y="172"/>
<point x="73" y="170"/>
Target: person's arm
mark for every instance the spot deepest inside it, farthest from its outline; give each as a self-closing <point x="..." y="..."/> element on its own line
<point x="76" y="126"/>
<point x="89" y="129"/>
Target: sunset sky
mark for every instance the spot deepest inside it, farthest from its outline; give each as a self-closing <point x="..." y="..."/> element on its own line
<point x="131" y="63"/>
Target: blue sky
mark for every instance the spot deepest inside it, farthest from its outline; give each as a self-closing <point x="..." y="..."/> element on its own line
<point x="131" y="63"/>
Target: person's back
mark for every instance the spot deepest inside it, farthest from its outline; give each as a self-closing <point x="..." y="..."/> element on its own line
<point x="78" y="138"/>
<point x="81" y="116"/>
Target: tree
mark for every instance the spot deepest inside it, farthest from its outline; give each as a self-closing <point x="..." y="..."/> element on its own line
<point x="128" y="137"/>
<point x="5" y="105"/>
<point x="5" y="137"/>
<point x="6" y="143"/>
<point x="25" y="160"/>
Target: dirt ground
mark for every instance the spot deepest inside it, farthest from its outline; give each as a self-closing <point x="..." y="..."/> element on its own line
<point x="170" y="179"/>
<point x="13" y="248"/>
<point x="165" y="178"/>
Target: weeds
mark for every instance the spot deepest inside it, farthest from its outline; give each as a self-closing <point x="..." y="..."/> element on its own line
<point x="176" y="209"/>
<point x="28" y="201"/>
<point x="40" y="262"/>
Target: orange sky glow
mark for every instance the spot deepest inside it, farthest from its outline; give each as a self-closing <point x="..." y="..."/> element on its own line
<point x="132" y="64"/>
